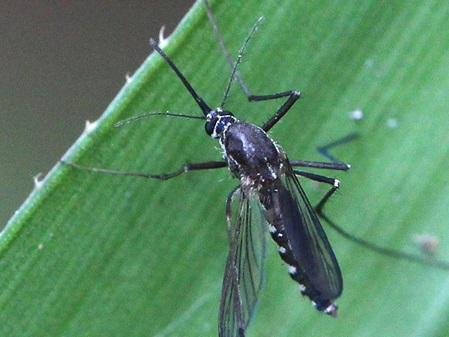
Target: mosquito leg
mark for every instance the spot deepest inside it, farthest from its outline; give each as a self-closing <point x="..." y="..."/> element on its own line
<point x="210" y="165"/>
<point x="393" y="253"/>
<point x="334" y="165"/>
<point x="317" y="177"/>
<point x="292" y="95"/>
<point x="226" y="53"/>
<point x="324" y="150"/>
<point x="322" y="179"/>
<point x="319" y="209"/>
<point x="321" y="165"/>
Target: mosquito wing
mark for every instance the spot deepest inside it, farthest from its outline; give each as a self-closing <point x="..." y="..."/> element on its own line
<point x="243" y="276"/>
<point x="289" y="212"/>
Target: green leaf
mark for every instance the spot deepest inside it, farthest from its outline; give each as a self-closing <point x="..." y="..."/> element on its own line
<point x="91" y="254"/>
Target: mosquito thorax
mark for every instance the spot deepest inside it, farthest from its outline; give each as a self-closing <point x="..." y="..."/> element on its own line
<point x="252" y="156"/>
<point x="218" y="121"/>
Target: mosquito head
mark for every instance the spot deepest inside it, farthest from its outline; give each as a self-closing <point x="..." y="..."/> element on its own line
<point x="217" y="122"/>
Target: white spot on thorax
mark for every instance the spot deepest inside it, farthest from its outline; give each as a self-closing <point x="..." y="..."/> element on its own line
<point x="272" y="170"/>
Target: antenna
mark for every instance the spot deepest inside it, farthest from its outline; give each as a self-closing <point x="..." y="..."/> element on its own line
<point x="235" y="74"/>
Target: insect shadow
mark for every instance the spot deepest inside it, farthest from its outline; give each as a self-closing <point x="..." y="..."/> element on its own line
<point x="268" y="197"/>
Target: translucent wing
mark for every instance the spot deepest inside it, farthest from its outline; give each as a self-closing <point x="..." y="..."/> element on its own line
<point x="243" y="276"/>
<point x="314" y="263"/>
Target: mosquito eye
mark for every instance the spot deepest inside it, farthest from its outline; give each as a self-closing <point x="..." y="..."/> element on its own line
<point x="210" y="126"/>
<point x="217" y="125"/>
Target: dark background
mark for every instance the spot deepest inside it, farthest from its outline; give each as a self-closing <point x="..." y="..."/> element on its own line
<point x="61" y="64"/>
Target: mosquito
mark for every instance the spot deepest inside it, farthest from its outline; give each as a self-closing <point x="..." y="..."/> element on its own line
<point x="269" y="197"/>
